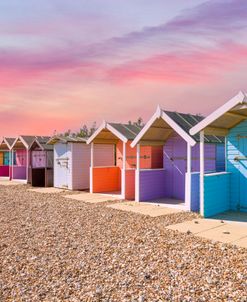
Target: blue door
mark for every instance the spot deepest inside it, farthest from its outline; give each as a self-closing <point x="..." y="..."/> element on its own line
<point x="243" y="173"/>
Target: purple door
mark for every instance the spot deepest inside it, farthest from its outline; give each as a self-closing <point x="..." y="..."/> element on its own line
<point x="175" y="164"/>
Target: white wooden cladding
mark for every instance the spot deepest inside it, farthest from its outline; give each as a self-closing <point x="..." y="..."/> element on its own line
<point x="72" y="163"/>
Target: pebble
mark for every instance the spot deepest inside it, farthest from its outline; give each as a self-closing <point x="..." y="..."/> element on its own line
<point x="54" y="249"/>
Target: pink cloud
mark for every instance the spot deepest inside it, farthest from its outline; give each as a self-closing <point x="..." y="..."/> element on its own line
<point x="194" y="66"/>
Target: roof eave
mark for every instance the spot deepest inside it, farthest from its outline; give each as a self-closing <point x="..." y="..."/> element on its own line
<point x="155" y="116"/>
<point x="107" y="126"/>
<point x="237" y="99"/>
<point x="22" y="140"/>
<point x="161" y="114"/>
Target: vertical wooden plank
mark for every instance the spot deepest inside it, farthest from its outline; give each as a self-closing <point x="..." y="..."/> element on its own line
<point x="202" y="173"/>
<point x="27" y="165"/>
<point x="91" y="168"/>
<point x="123" y="182"/>
<point x="188" y="178"/>
<point x="137" y="181"/>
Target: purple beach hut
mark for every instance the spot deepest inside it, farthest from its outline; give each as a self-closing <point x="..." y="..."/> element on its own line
<point x="177" y="183"/>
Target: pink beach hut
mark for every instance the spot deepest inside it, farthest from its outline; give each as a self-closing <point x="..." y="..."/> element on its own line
<point x="21" y="158"/>
<point x="5" y="157"/>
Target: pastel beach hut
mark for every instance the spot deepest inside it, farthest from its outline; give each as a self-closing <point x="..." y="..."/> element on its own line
<point x="41" y="162"/>
<point x="118" y="177"/>
<point x="5" y="157"/>
<point x="176" y="183"/>
<point x="227" y="190"/>
<point x="72" y="162"/>
<point x="21" y="158"/>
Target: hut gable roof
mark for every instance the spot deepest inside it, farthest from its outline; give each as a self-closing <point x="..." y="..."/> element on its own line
<point x="9" y="141"/>
<point x="187" y="121"/>
<point x="129" y="131"/>
<point x="6" y="143"/>
<point x="65" y="139"/>
<point x="115" y="131"/>
<point x="225" y="117"/>
<point x="164" y="122"/>
<point x="28" y="140"/>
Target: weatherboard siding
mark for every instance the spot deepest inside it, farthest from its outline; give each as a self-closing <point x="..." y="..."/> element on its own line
<point x="152" y="184"/>
<point x="220" y="157"/>
<point x="171" y="182"/>
<point x="130" y="184"/>
<point x="20" y="172"/>
<point x="216" y="193"/>
<point x="224" y="191"/>
<point x="238" y="174"/>
<point x="80" y="166"/>
<point x="104" y="155"/>
<point x="106" y="179"/>
<point x="150" y="156"/>
<point x="195" y="192"/>
<point x="175" y="163"/>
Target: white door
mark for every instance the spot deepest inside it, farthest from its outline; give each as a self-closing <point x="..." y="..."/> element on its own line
<point x="61" y="161"/>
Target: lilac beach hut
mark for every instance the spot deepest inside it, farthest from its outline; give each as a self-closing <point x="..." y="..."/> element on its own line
<point x="177" y="183"/>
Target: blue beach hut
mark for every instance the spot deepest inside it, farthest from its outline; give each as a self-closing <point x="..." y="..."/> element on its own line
<point x="225" y="191"/>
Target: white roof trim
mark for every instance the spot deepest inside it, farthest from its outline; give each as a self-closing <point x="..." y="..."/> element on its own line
<point x="107" y="126"/>
<point x="161" y="114"/>
<point x="154" y="117"/>
<point x="93" y="136"/>
<point x="178" y="129"/>
<point x="240" y="98"/>
<point x="38" y="143"/>
<point x="6" y="142"/>
<point x="22" y="140"/>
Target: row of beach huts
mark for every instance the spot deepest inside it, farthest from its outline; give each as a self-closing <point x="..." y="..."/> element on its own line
<point x="178" y="160"/>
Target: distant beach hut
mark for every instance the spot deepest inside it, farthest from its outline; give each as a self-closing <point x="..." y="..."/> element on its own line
<point x="176" y="183"/>
<point x="72" y="162"/>
<point x="226" y="190"/>
<point x="21" y="158"/>
<point x="117" y="178"/>
<point x="41" y="163"/>
<point x="5" y="157"/>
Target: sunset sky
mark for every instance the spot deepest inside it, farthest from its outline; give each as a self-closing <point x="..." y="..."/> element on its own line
<point x="64" y="63"/>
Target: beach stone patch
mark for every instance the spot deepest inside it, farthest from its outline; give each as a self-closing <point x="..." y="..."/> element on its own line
<point x="59" y="249"/>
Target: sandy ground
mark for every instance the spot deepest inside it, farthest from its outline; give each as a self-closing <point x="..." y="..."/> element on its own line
<point x="58" y="249"/>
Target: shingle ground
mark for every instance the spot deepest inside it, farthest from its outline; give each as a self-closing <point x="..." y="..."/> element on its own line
<point x="57" y="249"/>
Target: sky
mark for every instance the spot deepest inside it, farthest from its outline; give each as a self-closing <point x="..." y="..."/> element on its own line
<point x="67" y="63"/>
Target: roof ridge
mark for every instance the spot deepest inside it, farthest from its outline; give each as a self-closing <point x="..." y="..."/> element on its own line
<point x="190" y="114"/>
